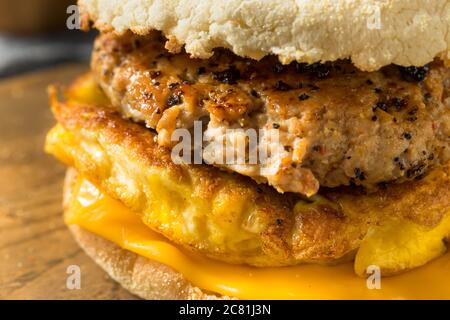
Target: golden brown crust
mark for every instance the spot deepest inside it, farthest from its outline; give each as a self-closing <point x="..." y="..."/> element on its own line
<point x="145" y="278"/>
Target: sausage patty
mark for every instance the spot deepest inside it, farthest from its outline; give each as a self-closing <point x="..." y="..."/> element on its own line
<point x="336" y="125"/>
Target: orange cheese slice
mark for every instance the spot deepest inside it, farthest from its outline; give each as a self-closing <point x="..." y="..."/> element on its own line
<point x="98" y="213"/>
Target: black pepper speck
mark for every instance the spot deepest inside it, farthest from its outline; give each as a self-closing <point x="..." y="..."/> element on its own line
<point x="174" y="99"/>
<point x="407" y="136"/>
<point x="282" y="86"/>
<point x="414" y="74"/>
<point x="229" y="76"/>
<point x="303" y="97"/>
<point x="399" y="103"/>
<point x="359" y="174"/>
<point x="254" y="93"/>
<point x="201" y="70"/>
<point x="382" y="106"/>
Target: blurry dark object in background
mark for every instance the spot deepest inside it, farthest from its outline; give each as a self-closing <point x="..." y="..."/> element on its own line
<point x="29" y="53"/>
<point x="34" y="35"/>
<point x="33" y="16"/>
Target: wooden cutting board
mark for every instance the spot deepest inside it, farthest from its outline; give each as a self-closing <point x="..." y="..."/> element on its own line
<point x="36" y="249"/>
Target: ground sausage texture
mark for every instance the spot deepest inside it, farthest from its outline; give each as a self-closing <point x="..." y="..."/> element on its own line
<point x="336" y="125"/>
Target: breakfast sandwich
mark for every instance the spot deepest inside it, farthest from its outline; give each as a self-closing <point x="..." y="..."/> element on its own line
<point x="262" y="149"/>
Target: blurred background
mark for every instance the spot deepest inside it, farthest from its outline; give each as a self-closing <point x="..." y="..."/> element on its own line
<point x="38" y="49"/>
<point x="34" y="35"/>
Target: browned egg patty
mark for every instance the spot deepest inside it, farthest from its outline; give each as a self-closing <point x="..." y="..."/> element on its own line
<point x="337" y="125"/>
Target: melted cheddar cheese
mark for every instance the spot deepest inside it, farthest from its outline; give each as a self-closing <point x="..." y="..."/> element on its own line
<point x="98" y="213"/>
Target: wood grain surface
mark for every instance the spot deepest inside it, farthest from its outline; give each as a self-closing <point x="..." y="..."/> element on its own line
<point x="35" y="247"/>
